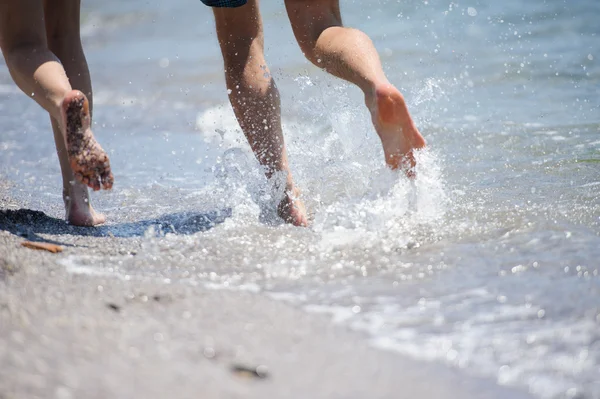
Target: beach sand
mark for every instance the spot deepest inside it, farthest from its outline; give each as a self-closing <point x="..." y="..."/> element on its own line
<point x="75" y="335"/>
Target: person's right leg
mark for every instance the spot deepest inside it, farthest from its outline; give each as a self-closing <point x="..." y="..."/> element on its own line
<point x="349" y="54"/>
<point x="39" y="73"/>
<point x="254" y="97"/>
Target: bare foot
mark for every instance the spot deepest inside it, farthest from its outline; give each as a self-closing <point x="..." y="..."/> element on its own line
<point x="397" y="131"/>
<point x="89" y="162"/>
<point x="79" y="210"/>
<point x="291" y="209"/>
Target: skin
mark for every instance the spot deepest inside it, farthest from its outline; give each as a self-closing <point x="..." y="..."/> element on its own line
<point x="344" y="52"/>
<point x="41" y="44"/>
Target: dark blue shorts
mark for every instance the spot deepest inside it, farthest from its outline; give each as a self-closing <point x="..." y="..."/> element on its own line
<point x="224" y="3"/>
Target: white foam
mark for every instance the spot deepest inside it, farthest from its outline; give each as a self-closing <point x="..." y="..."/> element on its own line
<point x="73" y="265"/>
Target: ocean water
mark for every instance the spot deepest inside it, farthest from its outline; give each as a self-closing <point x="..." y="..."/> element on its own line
<point x="488" y="262"/>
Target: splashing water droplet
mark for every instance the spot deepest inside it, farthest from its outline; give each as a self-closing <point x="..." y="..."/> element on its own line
<point x="164" y="62"/>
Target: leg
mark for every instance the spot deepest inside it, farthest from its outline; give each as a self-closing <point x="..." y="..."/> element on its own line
<point x="62" y="32"/>
<point x="39" y="73"/>
<point x="254" y="97"/>
<point x="349" y="54"/>
<point x="35" y="69"/>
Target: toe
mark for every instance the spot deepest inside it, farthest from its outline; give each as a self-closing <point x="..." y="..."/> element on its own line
<point x="107" y="180"/>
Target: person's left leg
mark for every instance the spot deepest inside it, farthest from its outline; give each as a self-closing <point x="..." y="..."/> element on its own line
<point x="62" y="22"/>
<point x="38" y="73"/>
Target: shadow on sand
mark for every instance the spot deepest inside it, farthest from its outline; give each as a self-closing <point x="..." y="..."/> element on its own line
<point x="29" y="224"/>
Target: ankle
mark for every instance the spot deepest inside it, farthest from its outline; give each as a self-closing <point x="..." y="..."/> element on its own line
<point x="386" y="90"/>
<point x="76" y="194"/>
<point x="56" y="112"/>
<point x="378" y="90"/>
<point x="390" y="106"/>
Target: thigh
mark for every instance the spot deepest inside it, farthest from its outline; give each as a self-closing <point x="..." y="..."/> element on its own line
<point x="238" y="23"/>
<point x="21" y="23"/>
<point x="314" y="10"/>
<point x="240" y="33"/>
<point x="62" y="18"/>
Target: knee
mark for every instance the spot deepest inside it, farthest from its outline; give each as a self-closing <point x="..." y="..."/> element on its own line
<point x="243" y="58"/>
<point x="63" y="34"/>
<point x="308" y="40"/>
<point x="63" y="40"/>
<point x="22" y="55"/>
<point x="21" y="44"/>
<point x="309" y="19"/>
<point x="240" y="49"/>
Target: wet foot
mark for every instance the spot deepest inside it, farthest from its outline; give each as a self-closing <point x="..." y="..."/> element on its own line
<point x="88" y="160"/>
<point x="395" y="127"/>
<point x="78" y="208"/>
<point x="291" y="209"/>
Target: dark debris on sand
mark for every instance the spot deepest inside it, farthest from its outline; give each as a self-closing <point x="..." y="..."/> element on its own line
<point x="113" y="307"/>
<point x="248" y="372"/>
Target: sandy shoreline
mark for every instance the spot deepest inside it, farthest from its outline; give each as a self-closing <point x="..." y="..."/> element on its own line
<point x="65" y="335"/>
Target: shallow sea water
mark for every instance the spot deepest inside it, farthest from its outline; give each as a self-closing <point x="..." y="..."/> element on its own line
<point x="487" y="262"/>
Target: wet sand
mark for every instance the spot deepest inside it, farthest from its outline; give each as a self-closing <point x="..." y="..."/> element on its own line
<point x="65" y="335"/>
